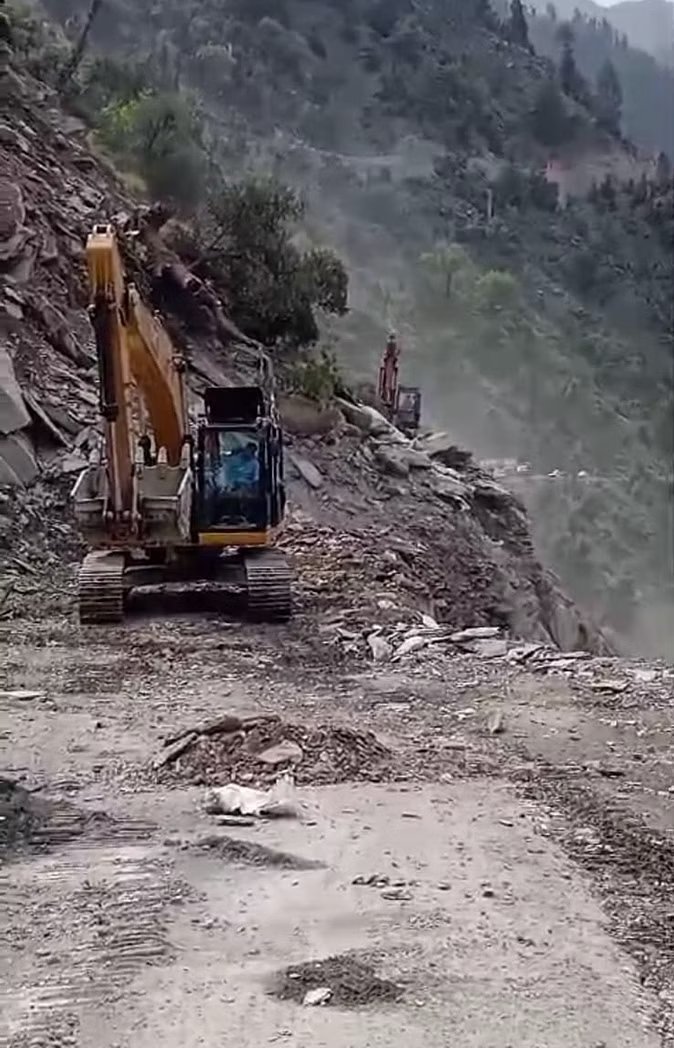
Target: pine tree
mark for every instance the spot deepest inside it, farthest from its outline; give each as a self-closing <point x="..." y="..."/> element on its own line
<point x="568" y="70"/>
<point x="609" y="98"/>
<point x="549" y="121"/>
<point x="518" y="29"/>
<point x="75" y="60"/>
<point x="484" y="13"/>
<point x="663" y="169"/>
<point x="573" y="82"/>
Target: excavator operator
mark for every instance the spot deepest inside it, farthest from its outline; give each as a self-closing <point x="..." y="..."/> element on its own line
<point x="244" y="469"/>
<point x="231" y="471"/>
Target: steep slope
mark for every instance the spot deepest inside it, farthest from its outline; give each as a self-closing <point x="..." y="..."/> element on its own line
<point x="439" y="537"/>
<point x="458" y="181"/>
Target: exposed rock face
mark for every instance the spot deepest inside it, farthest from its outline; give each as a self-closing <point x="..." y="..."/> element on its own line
<point x="13" y="233"/>
<point x="13" y="413"/>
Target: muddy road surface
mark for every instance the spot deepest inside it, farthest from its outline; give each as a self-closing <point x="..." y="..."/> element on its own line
<point x="483" y="854"/>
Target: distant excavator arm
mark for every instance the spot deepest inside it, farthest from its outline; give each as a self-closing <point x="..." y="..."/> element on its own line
<point x="387" y="386"/>
<point x="137" y="360"/>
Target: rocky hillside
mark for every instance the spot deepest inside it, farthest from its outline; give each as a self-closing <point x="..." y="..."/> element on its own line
<point x="481" y="196"/>
<point x="422" y="524"/>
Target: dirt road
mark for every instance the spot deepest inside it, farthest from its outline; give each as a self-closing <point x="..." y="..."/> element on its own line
<point x="495" y="886"/>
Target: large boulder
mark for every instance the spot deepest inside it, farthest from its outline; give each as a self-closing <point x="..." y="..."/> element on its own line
<point x="450" y="489"/>
<point x="13" y="233"/>
<point x="370" y="421"/>
<point x="18" y="465"/>
<point x="13" y="412"/>
<point x="442" y="448"/>
<point x="306" y="469"/>
<point x="304" y="417"/>
<point x="399" y="459"/>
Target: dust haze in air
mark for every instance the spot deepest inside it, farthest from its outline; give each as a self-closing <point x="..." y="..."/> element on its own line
<point x="356" y="200"/>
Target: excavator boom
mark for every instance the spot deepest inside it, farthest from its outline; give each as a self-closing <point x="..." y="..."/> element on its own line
<point x="133" y="349"/>
<point x="158" y="372"/>
<point x="141" y="493"/>
<point x="106" y="282"/>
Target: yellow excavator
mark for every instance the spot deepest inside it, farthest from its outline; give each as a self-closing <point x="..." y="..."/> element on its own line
<point x="164" y="501"/>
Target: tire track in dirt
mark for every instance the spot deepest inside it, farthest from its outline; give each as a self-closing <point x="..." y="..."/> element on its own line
<point x="80" y="926"/>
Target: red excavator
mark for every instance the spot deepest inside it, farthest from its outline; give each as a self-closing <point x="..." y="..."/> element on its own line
<point x="401" y="405"/>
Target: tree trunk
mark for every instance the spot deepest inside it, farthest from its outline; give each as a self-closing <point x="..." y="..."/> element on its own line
<point x="73" y="64"/>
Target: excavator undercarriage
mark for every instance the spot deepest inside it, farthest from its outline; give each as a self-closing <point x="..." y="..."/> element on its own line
<point x="261" y="580"/>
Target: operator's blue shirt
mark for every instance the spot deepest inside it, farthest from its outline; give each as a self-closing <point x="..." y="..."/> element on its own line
<point x="242" y="472"/>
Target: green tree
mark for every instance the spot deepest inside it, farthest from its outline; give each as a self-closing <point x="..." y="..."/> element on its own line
<point x="663" y="169"/>
<point x="549" y="120"/>
<point x="518" y="29"/>
<point x="5" y="28"/>
<point x="160" y="136"/>
<point x="609" y="98"/>
<point x="271" y="288"/>
<point x="447" y="261"/>
<point x="495" y="291"/>
<point x="72" y="65"/>
<point x="570" y="77"/>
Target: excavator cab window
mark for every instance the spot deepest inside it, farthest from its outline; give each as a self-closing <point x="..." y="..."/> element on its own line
<point x="408" y="409"/>
<point x="231" y="479"/>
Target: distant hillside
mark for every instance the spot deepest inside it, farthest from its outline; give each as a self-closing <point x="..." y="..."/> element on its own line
<point x="648" y="24"/>
<point x="647" y="85"/>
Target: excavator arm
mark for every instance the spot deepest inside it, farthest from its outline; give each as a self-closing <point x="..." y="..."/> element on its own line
<point x="387" y="386"/>
<point x="137" y="364"/>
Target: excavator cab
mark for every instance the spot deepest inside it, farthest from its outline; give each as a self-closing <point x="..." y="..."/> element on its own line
<point x="408" y="409"/>
<point x="240" y="489"/>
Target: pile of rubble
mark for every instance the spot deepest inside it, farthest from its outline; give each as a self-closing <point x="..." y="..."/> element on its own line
<point x="255" y="751"/>
<point x="400" y="525"/>
<point x="424" y="644"/>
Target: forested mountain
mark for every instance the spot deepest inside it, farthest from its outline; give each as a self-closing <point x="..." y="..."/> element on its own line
<point x="647" y="86"/>
<point x="648" y="24"/>
<point x="419" y="135"/>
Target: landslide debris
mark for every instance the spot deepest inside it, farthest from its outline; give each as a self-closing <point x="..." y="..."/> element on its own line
<point x="373" y="517"/>
<point x="255" y="752"/>
<point x="351" y="980"/>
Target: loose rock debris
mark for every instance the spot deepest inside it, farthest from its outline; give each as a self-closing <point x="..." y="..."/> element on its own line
<point x="21" y="815"/>
<point x="351" y="981"/>
<point x="633" y="867"/>
<point x="318" y="755"/>
<point x="240" y="852"/>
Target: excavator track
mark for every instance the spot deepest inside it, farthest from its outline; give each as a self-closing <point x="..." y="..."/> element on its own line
<point x="268" y="581"/>
<point x="101" y="588"/>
